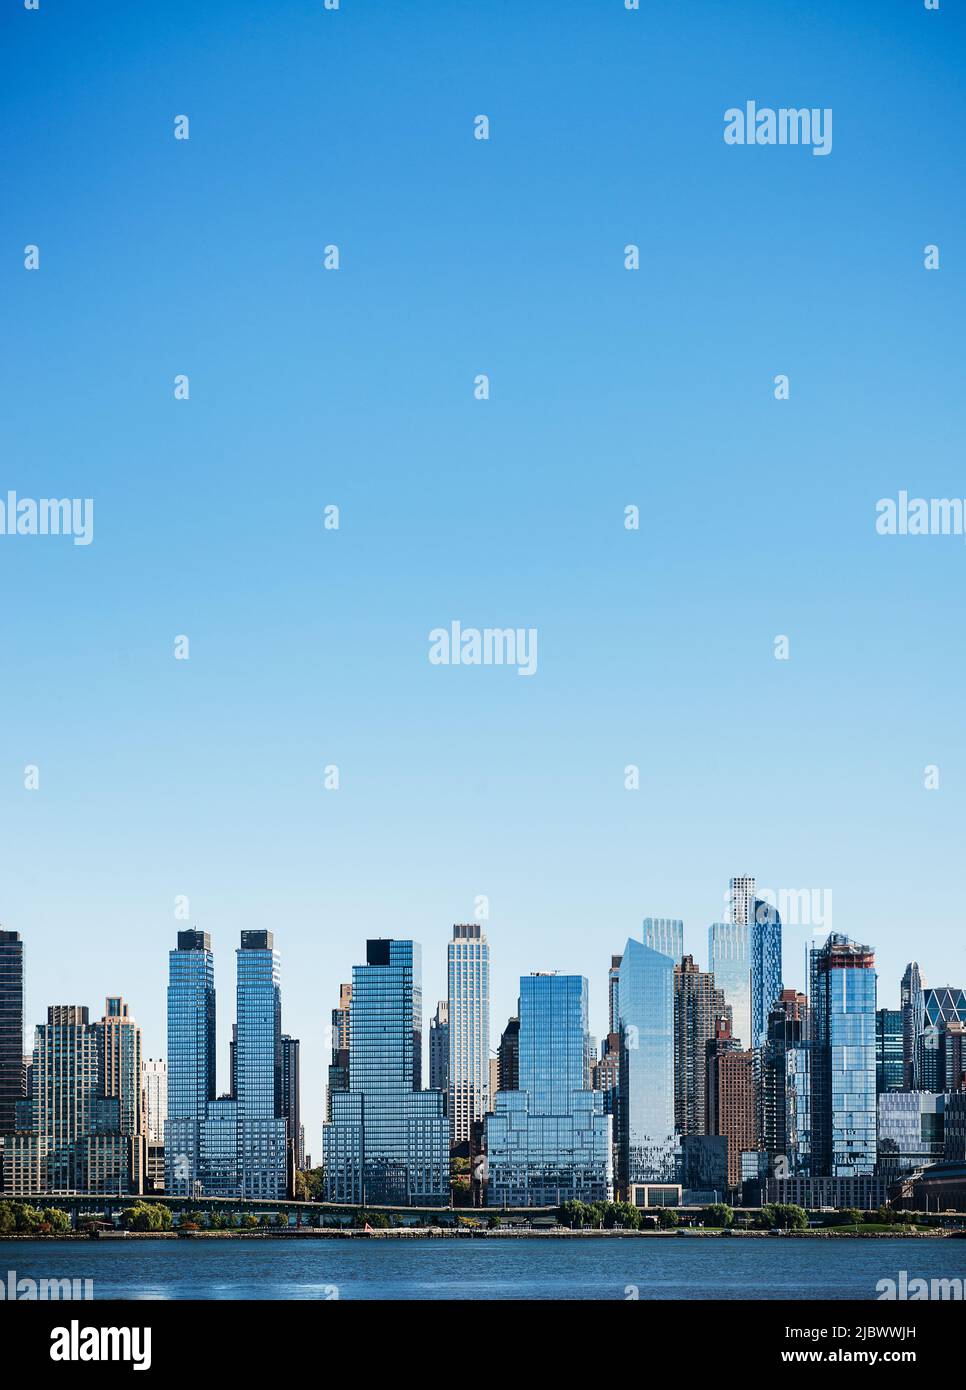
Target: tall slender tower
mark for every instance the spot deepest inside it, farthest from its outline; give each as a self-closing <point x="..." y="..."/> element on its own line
<point x="842" y="1016"/>
<point x="729" y="960"/>
<point x="468" y="976"/>
<point x="262" y="1129"/>
<point x="191" y="1058"/>
<point x="12" y="1073"/>
<point x="912" y="1008"/>
<point x="766" y="969"/>
<point x="697" y="1003"/>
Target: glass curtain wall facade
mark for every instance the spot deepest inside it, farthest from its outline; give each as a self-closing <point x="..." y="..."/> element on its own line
<point x="262" y="1128"/>
<point x="191" y="1058"/>
<point x="648" y="1150"/>
<point x="550" y="1141"/>
<point x="842" y="1016"/>
<point x="729" y="960"/>
<point x="388" y="1141"/>
<point x="12" y="1070"/>
<point x="468" y="997"/>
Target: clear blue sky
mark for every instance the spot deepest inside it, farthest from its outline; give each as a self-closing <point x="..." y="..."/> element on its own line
<point x="609" y="387"/>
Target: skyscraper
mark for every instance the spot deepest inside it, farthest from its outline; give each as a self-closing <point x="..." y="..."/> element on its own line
<point x="338" y="1076"/>
<point x="842" y="1016"/>
<point x="665" y="934"/>
<point x="387" y="1141"/>
<point x="154" y="1090"/>
<point x="889" y="1052"/>
<point x="262" y="1129"/>
<point x="292" y="1098"/>
<point x="942" y="1007"/>
<point x="729" y="960"/>
<point x="785" y="1125"/>
<point x="550" y="1141"/>
<point x="613" y="988"/>
<point x="648" y="1151"/>
<point x="439" y="1049"/>
<point x="508" y="1056"/>
<point x="732" y="1109"/>
<point x="766" y="968"/>
<point x="12" y="1078"/>
<point x="911" y="1006"/>
<point x="468" y="980"/>
<point x="697" y="1003"/>
<point x="191" y="1058"/>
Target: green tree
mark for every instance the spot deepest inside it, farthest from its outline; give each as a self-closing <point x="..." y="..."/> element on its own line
<point x="718" y="1214"/>
<point x="668" y="1219"/>
<point x="146" y="1216"/>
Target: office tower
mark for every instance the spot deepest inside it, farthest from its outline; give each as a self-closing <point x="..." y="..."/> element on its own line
<point x="291" y="1099"/>
<point x="784" y="1123"/>
<point x="648" y="1151"/>
<point x="468" y="977"/>
<point x="842" y="1018"/>
<point x="508" y="1056"/>
<point x="387" y="1141"/>
<point x="732" y="1109"/>
<point x="729" y="961"/>
<point x="12" y="1078"/>
<point x="262" y="1129"/>
<point x="613" y="989"/>
<point x="439" y="1048"/>
<point x="910" y="1128"/>
<point x="911" y="1007"/>
<point x="697" y="1003"/>
<point x="550" y="1141"/>
<point x="191" y="1058"/>
<point x="666" y="935"/>
<point x="765" y="941"/>
<point x="154" y="1090"/>
<point x="889" y="1067"/>
<point x="941" y="1007"/>
<point x="338" y="1079"/>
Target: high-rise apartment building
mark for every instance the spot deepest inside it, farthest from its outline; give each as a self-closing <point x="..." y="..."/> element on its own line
<point x="784" y="1100"/>
<point x="262" y="1128"/>
<point x="388" y="1141"/>
<point x="191" y="1058"/>
<point x="912" y="1008"/>
<point x="468" y="991"/>
<point x="732" y="1108"/>
<point x="508" y="1056"/>
<point x="154" y="1091"/>
<point x="765" y="940"/>
<point x="550" y="1141"/>
<point x="439" y="1049"/>
<point x="338" y="1075"/>
<point x="697" y="1003"/>
<point x="613" y="988"/>
<point x="291" y="1099"/>
<point x="842" y="999"/>
<point x="944" y="1008"/>
<point x="12" y="1076"/>
<point x="648" y="1149"/>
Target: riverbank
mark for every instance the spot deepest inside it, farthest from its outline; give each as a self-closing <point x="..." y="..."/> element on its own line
<point x="440" y="1233"/>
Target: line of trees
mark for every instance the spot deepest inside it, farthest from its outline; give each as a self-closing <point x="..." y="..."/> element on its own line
<point x="19" y="1218"/>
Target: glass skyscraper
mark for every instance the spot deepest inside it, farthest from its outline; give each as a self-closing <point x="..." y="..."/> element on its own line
<point x="729" y="960"/>
<point x="12" y="1073"/>
<point x="766" y="969"/>
<point x="842" y="1015"/>
<point x="888" y="1050"/>
<point x="912" y="1008"/>
<point x="665" y="934"/>
<point x="262" y="1128"/>
<point x="388" y="1141"/>
<point x="550" y="1141"/>
<point x="468" y="998"/>
<point x="648" y="1150"/>
<point x="191" y="1058"/>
